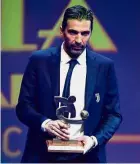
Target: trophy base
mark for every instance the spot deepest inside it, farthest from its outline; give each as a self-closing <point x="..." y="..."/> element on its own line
<point x="60" y="146"/>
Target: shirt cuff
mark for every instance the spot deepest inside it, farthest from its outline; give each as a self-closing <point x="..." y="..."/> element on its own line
<point x="95" y="141"/>
<point x="43" y="125"/>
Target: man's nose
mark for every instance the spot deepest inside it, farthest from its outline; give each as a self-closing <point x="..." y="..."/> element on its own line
<point x="78" y="38"/>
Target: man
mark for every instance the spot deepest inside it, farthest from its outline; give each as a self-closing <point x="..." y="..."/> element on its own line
<point x="92" y="81"/>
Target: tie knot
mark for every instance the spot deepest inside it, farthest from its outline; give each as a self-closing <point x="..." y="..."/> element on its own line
<point x="73" y="62"/>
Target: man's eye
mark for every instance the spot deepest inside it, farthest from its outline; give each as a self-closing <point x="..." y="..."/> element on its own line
<point x="72" y="32"/>
<point x="85" y="33"/>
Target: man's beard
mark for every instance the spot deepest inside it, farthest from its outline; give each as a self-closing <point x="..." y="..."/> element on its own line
<point x="74" y="51"/>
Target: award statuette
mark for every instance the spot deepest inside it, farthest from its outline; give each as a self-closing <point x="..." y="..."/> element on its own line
<point x="72" y="145"/>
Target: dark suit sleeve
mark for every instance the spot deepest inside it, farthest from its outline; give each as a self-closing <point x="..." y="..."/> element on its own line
<point x="111" y="118"/>
<point x="26" y="108"/>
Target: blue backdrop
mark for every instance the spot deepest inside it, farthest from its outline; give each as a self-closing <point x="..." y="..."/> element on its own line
<point x="28" y="25"/>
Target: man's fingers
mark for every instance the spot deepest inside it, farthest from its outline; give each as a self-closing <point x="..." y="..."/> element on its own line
<point x="80" y="138"/>
<point x="87" y="143"/>
<point x="59" y="133"/>
<point x="65" y="131"/>
<point x="85" y="150"/>
<point x="62" y="124"/>
<point x="58" y="128"/>
<point x="57" y="123"/>
<point x="55" y="133"/>
<point x="86" y="147"/>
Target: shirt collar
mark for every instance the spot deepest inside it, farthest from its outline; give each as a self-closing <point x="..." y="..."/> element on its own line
<point x="65" y="58"/>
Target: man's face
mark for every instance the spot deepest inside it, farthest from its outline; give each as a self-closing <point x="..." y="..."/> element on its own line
<point x="76" y="36"/>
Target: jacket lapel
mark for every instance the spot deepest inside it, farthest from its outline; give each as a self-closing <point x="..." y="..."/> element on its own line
<point x="90" y="77"/>
<point x="54" y="68"/>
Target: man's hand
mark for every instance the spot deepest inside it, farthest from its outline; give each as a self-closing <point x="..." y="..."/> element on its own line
<point x="58" y="128"/>
<point x="88" y="143"/>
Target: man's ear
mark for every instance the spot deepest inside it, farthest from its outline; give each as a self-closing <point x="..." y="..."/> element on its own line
<point x="61" y="31"/>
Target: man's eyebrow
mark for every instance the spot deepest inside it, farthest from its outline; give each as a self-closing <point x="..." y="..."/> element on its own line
<point x="82" y="32"/>
<point x="85" y="32"/>
<point x="72" y="30"/>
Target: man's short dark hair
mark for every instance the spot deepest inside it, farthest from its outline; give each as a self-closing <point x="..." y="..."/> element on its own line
<point x="77" y="12"/>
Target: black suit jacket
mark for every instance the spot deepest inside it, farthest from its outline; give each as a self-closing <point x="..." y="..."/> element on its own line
<point x="36" y="102"/>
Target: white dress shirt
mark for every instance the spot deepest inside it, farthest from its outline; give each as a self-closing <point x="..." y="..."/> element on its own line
<point x="77" y="86"/>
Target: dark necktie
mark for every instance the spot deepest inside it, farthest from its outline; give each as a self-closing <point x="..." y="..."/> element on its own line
<point x="66" y="90"/>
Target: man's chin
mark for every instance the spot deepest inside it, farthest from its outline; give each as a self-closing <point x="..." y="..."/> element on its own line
<point x="76" y="53"/>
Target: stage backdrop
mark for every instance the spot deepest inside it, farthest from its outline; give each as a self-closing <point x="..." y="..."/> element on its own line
<point x="29" y="25"/>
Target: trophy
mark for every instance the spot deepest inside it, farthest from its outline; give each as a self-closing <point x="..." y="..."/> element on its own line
<point x="67" y="107"/>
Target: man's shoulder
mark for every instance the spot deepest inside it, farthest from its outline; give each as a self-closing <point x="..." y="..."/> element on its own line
<point x="101" y="59"/>
<point x="39" y="54"/>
